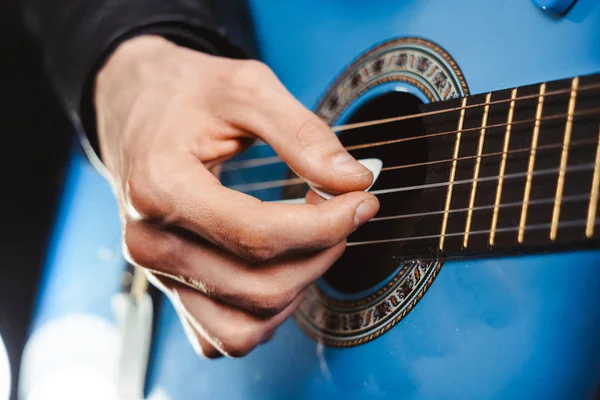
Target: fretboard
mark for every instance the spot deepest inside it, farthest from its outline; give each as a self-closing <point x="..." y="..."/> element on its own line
<point x="515" y="170"/>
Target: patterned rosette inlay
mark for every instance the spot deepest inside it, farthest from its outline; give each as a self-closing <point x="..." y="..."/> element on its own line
<point x="428" y="68"/>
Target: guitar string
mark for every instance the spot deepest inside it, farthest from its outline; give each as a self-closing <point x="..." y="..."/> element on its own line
<point x="574" y="143"/>
<point x="253" y="187"/>
<point x="541" y="172"/>
<point x="341" y="128"/>
<point x="262" y="161"/>
<point x="549" y="200"/>
<point x="592" y="111"/>
<point x="563" y="224"/>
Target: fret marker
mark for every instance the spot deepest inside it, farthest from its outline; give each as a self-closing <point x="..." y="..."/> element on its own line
<point x="509" y="120"/>
<point x="560" y="183"/>
<point x="591" y="218"/>
<point x="534" y="140"/>
<point x="459" y="128"/>
<point x="484" y="119"/>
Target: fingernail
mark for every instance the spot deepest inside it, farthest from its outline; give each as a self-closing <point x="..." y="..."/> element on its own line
<point x="365" y="211"/>
<point x="346" y="164"/>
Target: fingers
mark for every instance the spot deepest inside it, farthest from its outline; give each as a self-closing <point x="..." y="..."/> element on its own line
<point x="232" y="331"/>
<point x="261" y="231"/>
<point x="264" y="289"/>
<point x="302" y="140"/>
<point x="251" y="229"/>
<point x="313" y="198"/>
<point x="215" y="328"/>
<point x="199" y="343"/>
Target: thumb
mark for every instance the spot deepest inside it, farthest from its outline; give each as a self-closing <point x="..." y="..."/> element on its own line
<point x="306" y="144"/>
<point x="314" y="152"/>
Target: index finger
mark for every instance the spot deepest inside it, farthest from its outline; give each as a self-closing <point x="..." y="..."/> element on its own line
<point x="260" y="230"/>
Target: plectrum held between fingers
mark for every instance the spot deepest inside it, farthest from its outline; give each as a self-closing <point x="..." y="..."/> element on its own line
<point x="372" y="164"/>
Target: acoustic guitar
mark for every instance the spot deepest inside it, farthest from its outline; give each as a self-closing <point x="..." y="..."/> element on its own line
<point x="478" y="279"/>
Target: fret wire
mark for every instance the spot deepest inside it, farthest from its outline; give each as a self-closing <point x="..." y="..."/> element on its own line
<point x="589" y="230"/>
<point x="452" y="174"/>
<point x="563" y="224"/>
<point x="260" y="162"/>
<point x="563" y="159"/>
<point x="530" y="165"/>
<point x="509" y="119"/>
<point x="476" y="169"/>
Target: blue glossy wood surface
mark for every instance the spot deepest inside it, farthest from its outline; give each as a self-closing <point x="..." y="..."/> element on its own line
<point x="512" y="328"/>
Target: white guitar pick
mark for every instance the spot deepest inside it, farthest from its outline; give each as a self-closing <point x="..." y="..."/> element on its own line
<point x="372" y="164"/>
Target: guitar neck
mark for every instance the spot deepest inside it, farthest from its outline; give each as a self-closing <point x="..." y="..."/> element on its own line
<point x="515" y="170"/>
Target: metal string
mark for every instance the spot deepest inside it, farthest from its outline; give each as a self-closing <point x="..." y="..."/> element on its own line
<point x="498" y="153"/>
<point x="253" y="187"/>
<point x="245" y="164"/>
<point x="533" y="227"/>
<point x="257" y="162"/>
<point x="541" y="172"/>
<point x="549" y="200"/>
<point x="357" y="125"/>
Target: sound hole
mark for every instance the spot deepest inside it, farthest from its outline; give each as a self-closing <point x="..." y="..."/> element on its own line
<point x="362" y="267"/>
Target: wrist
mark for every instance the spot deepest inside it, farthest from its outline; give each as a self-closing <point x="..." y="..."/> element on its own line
<point x="140" y="45"/>
<point x="130" y="52"/>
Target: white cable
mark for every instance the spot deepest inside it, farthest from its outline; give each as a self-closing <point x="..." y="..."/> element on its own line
<point x="5" y="376"/>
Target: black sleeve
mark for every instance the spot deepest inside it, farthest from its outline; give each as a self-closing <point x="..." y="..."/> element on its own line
<point x="76" y="36"/>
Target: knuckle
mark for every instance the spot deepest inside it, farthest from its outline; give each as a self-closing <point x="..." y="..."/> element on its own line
<point x="149" y="188"/>
<point x="137" y="249"/>
<point x="242" y="341"/>
<point x="166" y="250"/>
<point x="313" y="134"/>
<point x="328" y="233"/>
<point x="251" y="78"/>
<point x="210" y="352"/>
<point x="150" y="251"/>
<point x="254" y="244"/>
<point x="253" y="69"/>
<point x="272" y="300"/>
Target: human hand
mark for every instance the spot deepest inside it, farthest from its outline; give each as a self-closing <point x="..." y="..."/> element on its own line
<point x="234" y="267"/>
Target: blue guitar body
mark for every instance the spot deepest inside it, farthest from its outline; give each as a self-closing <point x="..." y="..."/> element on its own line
<point x="500" y="328"/>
